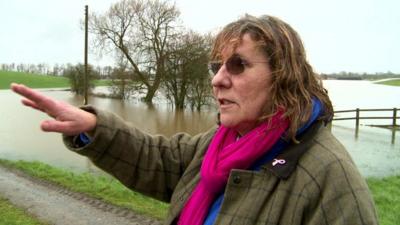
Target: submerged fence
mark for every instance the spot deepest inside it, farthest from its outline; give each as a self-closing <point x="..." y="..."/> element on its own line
<point x="357" y="117"/>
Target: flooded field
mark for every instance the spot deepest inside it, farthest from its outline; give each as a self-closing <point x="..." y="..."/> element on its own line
<point x="376" y="151"/>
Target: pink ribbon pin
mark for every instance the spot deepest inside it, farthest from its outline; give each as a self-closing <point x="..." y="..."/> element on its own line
<point x="278" y="161"/>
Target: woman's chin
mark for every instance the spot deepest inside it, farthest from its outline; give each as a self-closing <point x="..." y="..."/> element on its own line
<point x="227" y="123"/>
<point x="232" y="124"/>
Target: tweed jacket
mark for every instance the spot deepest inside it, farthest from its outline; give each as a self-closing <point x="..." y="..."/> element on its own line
<point x="318" y="183"/>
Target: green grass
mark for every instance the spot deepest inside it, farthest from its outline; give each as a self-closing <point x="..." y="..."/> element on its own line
<point x="31" y="80"/>
<point x="11" y="215"/>
<point x="386" y="193"/>
<point x="391" y="82"/>
<point x="100" y="187"/>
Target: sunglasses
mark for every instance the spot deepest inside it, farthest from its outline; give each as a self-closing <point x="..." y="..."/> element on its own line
<point x="234" y="65"/>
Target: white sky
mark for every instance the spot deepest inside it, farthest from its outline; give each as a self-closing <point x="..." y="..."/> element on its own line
<point x="339" y="35"/>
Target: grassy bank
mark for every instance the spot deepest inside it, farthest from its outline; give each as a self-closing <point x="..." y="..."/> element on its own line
<point x="31" y="80"/>
<point x="386" y="191"/>
<point x="11" y="215"/>
<point x="100" y="187"/>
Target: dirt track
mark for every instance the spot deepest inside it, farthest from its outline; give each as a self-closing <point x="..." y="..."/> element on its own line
<point x="60" y="206"/>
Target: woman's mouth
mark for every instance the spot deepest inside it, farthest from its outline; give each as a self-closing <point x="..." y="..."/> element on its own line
<point x="225" y="102"/>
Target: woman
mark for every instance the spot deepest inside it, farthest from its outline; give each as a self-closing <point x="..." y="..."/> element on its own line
<point x="270" y="161"/>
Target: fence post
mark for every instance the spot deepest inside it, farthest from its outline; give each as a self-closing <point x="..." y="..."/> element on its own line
<point x="394" y="117"/>
<point x="357" y="117"/>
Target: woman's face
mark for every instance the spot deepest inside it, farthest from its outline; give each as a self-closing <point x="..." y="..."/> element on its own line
<point x="242" y="97"/>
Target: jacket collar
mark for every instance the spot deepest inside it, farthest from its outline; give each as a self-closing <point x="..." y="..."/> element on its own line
<point x="285" y="163"/>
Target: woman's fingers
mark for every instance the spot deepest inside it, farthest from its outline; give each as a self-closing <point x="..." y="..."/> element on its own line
<point x="40" y="100"/>
<point x="31" y="104"/>
<point x="69" y="120"/>
<point x="27" y="92"/>
<point x="36" y="100"/>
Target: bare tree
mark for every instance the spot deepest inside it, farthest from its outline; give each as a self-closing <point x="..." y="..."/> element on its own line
<point x="5" y="67"/>
<point x="76" y="76"/>
<point x="122" y="81"/>
<point x="200" y="94"/>
<point x="140" y="31"/>
<point x="187" y="82"/>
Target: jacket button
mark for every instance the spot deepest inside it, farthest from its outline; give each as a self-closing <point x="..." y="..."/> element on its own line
<point x="236" y="179"/>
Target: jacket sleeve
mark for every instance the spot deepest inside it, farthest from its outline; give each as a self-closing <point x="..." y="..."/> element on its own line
<point x="145" y="163"/>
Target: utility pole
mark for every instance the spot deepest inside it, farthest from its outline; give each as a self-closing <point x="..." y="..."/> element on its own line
<point x="85" y="101"/>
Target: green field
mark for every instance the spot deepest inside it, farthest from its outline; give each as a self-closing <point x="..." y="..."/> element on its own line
<point x="391" y="82"/>
<point x="31" y="80"/>
<point x="102" y="83"/>
<point x="38" y="81"/>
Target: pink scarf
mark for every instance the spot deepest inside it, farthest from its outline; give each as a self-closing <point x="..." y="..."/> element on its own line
<point x="224" y="154"/>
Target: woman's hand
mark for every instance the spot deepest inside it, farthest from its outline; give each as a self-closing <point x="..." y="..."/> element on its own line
<point x="68" y="119"/>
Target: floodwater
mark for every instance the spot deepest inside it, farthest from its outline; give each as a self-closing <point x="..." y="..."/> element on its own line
<point x="21" y="137"/>
<point x="376" y="151"/>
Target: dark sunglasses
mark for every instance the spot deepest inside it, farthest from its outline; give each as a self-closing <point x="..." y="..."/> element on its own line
<point x="234" y="65"/>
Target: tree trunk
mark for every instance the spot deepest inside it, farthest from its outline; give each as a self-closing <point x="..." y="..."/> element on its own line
<point x="150" y="95"/>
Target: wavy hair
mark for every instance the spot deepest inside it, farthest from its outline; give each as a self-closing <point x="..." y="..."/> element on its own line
<point x="293" y="82"/>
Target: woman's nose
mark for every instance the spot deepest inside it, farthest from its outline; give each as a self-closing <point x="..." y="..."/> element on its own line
<point x="222" y="78"/>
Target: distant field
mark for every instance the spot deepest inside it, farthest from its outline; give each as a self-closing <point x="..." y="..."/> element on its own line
<point x="103" y="82"/>
<point x="391" y="82"/>
<point x="38" y="81"/>
<point x="31" y="80"/>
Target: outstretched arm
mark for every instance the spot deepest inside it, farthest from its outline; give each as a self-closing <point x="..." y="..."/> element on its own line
<point x="67" y="119"/>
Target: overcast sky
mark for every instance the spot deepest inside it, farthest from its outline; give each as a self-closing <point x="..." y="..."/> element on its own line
<point x="339" y="35"/>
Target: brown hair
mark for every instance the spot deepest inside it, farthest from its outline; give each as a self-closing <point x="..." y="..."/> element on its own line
<point x="293" y="81"/>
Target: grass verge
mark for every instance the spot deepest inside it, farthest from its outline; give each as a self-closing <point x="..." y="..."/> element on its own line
<point x="385" y="191"/>
<point x="103" y="187"/>
<point x="11" y="215"/>
<point x="386" y="194"/>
